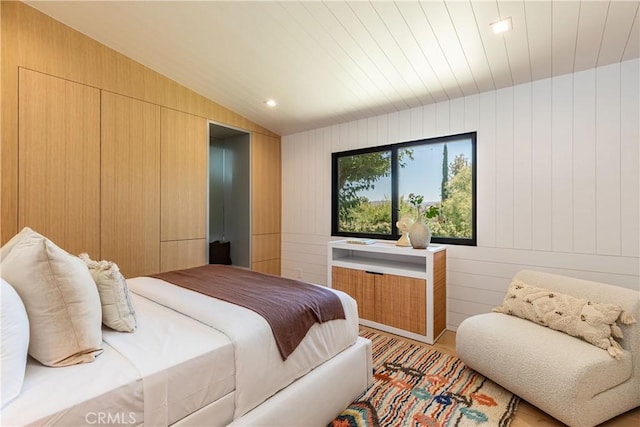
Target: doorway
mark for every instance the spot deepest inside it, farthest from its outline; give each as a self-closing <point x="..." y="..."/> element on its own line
<point x="229" y="198"/>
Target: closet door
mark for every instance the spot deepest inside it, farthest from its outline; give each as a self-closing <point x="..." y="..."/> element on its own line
<point x="181" y="254"/>
<point x="184" y="152"/>
<point x="130" y="184"/>
<point x="59" y="161"/>
<point x="266" y="203"/>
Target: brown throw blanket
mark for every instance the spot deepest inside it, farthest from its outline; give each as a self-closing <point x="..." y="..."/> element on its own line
<point x="289" y="306"/>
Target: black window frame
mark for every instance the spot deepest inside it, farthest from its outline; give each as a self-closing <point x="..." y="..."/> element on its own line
<point x="395" y="148"/>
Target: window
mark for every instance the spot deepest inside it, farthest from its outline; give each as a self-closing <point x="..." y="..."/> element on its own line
<point x="371" y="188"/>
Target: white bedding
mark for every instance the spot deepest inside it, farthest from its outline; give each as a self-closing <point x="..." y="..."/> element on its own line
<point x="78" y="394"/>
<point x="260" y="371"/>
<point x="184" y="364"/>
<point x="168" y="368"/>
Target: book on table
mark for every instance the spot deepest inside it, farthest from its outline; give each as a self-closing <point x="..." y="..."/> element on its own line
<point x="361" y="241"/>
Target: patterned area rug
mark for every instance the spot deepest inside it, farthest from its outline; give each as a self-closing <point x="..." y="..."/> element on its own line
<point x="417" y="386"/>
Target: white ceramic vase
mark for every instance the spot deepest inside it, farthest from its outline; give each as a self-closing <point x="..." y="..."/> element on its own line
<point x="419" y="235"/>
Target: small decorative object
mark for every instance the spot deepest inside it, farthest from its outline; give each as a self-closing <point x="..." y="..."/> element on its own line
<point x="361" y="241"/>
<point x="404" y="224"/>
<point x="419" y="234"/>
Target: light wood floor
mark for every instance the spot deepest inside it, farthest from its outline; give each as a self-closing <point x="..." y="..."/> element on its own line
<point x="527" y="414"/>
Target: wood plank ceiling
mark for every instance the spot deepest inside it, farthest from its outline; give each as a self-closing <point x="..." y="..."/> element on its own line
<point x="327" y="62"/>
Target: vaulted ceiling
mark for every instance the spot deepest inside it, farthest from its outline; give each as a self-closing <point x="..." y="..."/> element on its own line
<point x="327" y="62"/>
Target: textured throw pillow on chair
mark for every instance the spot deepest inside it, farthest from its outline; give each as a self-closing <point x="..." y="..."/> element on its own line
<point x="591" y="321"/>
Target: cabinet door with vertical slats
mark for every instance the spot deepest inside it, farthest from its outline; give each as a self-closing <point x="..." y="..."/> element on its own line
<point x="130" y="184"/>
<point x="59" y="161"/>
<point x="401" y="302"/>
<point x="360" y="286"/>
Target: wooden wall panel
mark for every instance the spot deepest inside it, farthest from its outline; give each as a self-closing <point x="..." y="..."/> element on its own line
<point x="181" y="254"/>
<point x="265" y="184"/>
<point x="35" y="41"/>
<point x="59" y="161"/>
<point x="265" y="247"/>
<point x="130" y="184"/>
<point x="266" y="202"/>
<point x="271" y="266"/>
<point x="184" y="153"/>
<point x="54" y="48"/>
<point x="8" y="126"/>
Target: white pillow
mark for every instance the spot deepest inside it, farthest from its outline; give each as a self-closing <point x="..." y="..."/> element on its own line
<point x="117" y="308"/>
<point x="61" y="300"/>
<point x="14" y="343"/>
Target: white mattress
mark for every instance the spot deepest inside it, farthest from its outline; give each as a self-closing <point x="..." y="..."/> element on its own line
<point x="169" y="367"/>
<point x="260" y="370"/>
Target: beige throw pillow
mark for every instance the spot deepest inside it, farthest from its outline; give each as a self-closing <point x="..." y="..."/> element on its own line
<point x="117" y="308"/>
<point x="4" y="250"/>
<point x="60" y="298"/>
<point x="591" y="321"/>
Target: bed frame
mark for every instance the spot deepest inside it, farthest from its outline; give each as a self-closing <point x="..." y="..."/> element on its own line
<point x="313" y="400"/>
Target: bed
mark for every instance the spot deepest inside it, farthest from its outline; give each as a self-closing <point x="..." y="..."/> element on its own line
<point x="197" y="360"/>
<point x="135" y="373"/>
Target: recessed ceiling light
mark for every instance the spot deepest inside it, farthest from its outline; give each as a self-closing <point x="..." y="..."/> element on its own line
<point x="271" y="103"/>
<point x="502" y="26"/>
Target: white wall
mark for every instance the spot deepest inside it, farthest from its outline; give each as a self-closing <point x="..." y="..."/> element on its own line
<point x="558" y="183"/>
